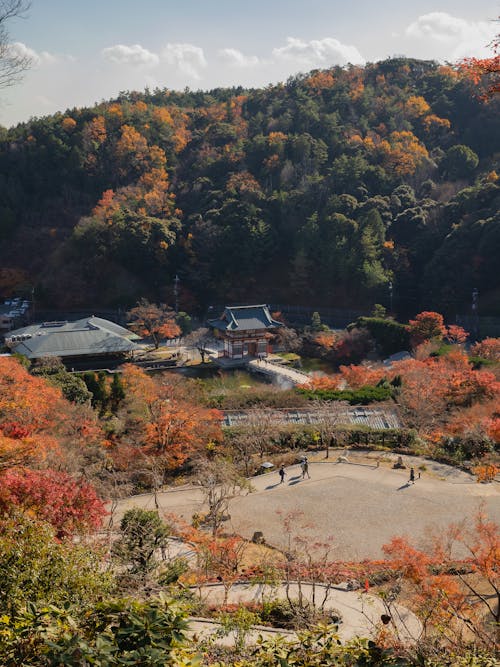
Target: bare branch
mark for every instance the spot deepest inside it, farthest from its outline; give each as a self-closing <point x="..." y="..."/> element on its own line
<point x="12" y="62"/>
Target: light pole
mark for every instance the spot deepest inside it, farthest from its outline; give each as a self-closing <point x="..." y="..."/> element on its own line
<point x="475" y="312"/>
<point x="176" y="293"/>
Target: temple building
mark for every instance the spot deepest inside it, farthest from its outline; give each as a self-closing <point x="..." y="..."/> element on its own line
<point x="245" y="330"/>
<point x="88" y="338"/>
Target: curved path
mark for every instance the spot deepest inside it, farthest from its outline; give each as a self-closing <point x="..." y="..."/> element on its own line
<point x="360" y="612"/>
<point x="360" y="506"/>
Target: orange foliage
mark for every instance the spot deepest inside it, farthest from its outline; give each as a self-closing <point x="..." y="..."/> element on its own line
<point x="432" y="122"/>
<point x="426" y="326"/>
<point x="326" y="339"/>
<point x="93" y="135"/>
<point x="416" y="106"/>
<point x="30" y="410"/>
<point x="437" y="596"/>
<point x="402" y="153"/>
<point x="139" y="107"/>
<point x="115" y="110"/>
<point x="456" y="334"/>
<point x="167" y="423"/>
<point x="68" y="124"/>
<point x="489" y="348"/>
<point x="320" y="81"/>
<point x="325" y="382"/>
<point x="431" y="388"/>
<point x="106" y="206"/>
<point x="360" y="376"/>
<point x="243" y="182"/>
<point x="181" y="133"/>
<point x="276" y="138"/>
<point x="132" y="147"/>
<point x="493" y="428"/>
<point x="486" y="473"/>
<point x="487" y="69"/>
<point x="162" y="115"/>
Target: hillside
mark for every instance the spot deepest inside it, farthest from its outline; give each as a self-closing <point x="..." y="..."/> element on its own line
<point x="322" y="189"/>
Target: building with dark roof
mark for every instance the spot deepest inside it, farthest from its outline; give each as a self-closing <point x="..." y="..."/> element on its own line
<point x="245" y="330"/>
<point x="85" y="338"/>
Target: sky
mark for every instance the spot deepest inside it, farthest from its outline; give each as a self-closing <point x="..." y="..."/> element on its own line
<point x="85" y="51"/>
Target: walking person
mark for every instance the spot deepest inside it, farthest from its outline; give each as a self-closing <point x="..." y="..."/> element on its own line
<point x="412" y="475"/>
<point x="282" y="473"/>
<point x="305" y="468"/>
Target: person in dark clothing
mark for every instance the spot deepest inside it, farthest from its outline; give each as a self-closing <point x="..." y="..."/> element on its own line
<point x="282" y="473"/>
<point x="412" y="475"/>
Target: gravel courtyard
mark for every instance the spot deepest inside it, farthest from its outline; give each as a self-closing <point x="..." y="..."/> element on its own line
<point x="359" y="505"/>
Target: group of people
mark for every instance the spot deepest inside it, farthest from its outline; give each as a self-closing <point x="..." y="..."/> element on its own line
<point x="304" y="465"/>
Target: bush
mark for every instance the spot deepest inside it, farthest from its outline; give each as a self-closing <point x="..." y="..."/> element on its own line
<point x="362" y="396"/>
<point x="389" y="336"/>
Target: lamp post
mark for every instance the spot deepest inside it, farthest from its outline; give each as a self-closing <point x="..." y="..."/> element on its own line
<point x="176" y="293"/>
<point x="475" y="312"/>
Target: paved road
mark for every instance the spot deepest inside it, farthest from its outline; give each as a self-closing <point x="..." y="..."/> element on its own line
<point x="360" y="506"/>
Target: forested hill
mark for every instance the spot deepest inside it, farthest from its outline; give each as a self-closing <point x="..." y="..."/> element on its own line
<point x="320" y="190"/>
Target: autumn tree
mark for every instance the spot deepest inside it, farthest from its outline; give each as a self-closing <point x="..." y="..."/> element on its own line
<point x="448" y="599"/>
<point x="485" y="71"/>
<point x="153" y="320"/>
<point x="219" y="558"/>
<point x="456" y="334"/>
<point x="70" y="505"/>
<point x="164" y="421"/>
<point x="488" y="348"/>
<point x="29" y="414"/>
<point x="426" y="326"/>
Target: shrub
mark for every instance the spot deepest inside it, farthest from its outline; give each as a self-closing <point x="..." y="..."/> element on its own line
<point x="389" y="336"/>
<point x="362" y="396"/>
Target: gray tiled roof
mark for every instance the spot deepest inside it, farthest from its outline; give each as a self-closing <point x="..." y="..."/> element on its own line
<point x="245" y="318"/>
<point x="89" y="336"/>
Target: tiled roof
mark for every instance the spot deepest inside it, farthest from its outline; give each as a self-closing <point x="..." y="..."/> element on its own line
<point x="245" y="318"/>
<point x="88" y="336"/>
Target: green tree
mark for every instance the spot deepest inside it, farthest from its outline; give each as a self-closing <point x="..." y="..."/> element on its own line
<point x="459" y="162"/>
<point x="142" y="534"/>
<point x="316" y="324"/>
<point x="116" y="391"/>
<point x="36" y="568"/>
<point x="72" y="386"/>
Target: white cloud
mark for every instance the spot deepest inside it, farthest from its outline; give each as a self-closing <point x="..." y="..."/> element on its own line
<point x="20" y="50"/>
<point x="318" y="52"/>
<point x="237" y="58"/>
<point x="188" y="58"/>
<point x="121" y="54"/>
<point x="458" y="37"/>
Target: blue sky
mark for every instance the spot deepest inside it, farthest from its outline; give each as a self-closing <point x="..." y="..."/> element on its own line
<point x="85" y="51"/>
